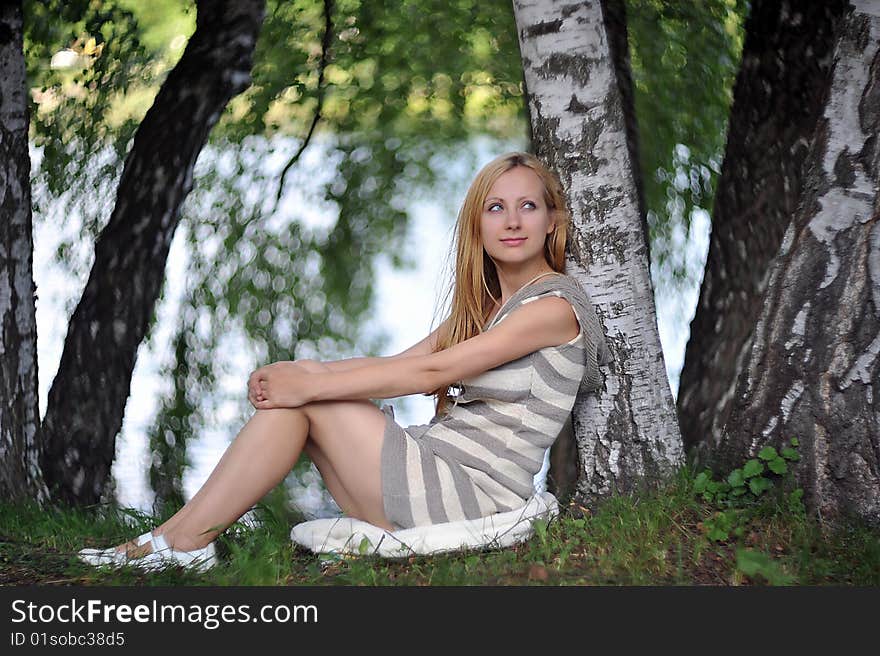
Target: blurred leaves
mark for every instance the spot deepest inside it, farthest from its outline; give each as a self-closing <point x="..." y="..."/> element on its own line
<point x="684" y="57"/>
<point x="72" y="117"/>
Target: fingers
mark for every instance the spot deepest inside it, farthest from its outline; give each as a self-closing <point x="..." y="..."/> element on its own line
<point x="262" y="400"/>
<point x="251" y="388"/>
<point x="258" y="400"/>
<point x="256" y="392"/>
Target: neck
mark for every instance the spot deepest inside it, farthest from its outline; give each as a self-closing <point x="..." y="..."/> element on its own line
<point x="512" y="282"/>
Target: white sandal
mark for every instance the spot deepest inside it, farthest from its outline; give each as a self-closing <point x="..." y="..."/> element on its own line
<point x="162" y="556"/>
<point x="111" y="556"/>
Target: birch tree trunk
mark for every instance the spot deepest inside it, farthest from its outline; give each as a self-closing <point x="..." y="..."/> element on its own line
<point x="627" y="434"/>
<point x="813" y="370"/>
<point x="20" y="475"/>
<point x="778" y="98"/>
<point x="88" y="396"/>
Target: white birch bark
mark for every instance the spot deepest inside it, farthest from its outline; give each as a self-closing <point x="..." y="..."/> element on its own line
<point x="813" y="370"/>
<point x="627" y="434"/>
<point x="20" y="475"/>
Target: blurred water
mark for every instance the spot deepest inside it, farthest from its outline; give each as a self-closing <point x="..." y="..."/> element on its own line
<point x="406" y="312"/>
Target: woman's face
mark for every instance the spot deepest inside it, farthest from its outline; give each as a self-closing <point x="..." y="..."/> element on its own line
<point x="515" y="208"/>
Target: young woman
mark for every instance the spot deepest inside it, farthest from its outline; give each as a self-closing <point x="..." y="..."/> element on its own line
<point x="521" y="340"/>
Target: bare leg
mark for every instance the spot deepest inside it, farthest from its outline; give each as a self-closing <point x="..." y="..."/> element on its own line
<point x="340" y="495"/>
<point x="345" y="440"/>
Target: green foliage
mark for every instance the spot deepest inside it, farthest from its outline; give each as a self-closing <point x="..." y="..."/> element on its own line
<point x="71" y="108"/>
<point x="752" y="468"/>
<point x="417" y="68"/>
<point x="176" y="421"/>
<point x="750" y="478"/>
<point x="736" y="494"/>
<point x="723" y="524"/>
<point x="758" y="564"/>
<point x="543" y="545"/>
<point x="684" y="58"/>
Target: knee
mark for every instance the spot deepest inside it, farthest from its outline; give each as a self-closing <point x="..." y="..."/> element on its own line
<point x="282" y="414"/>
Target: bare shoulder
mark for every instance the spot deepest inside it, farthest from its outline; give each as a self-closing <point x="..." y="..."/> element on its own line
<point x="556" y="316"/>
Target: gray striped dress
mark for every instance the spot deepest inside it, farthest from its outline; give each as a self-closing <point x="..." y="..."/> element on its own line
<point x="481" y="457"/>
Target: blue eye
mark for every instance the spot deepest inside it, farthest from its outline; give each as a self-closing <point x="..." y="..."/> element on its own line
<point x="528" y="202"/>
<point x="493" y="205"/>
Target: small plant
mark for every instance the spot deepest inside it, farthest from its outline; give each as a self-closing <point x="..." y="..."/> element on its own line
<point x="742" y="487"/>
<point x="722" y="524"/>
<point x="543" y="546"/>
<point x="747" y="483"/>
<point x="756" y="564"/>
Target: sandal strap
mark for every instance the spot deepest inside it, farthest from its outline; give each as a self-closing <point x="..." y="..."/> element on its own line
<point x="159" y="543"/>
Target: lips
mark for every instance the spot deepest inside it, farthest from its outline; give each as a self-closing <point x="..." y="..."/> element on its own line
<point x="513" y="242"/>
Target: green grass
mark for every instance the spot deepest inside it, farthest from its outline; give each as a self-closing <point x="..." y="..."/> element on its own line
<point x="665" y="536"/>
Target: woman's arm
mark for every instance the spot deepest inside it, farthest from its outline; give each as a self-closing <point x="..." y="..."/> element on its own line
<point x="423" y="347"/>
<point x="545" y="322"/>
<point x="353" y="363"/>
<point x="282" y="372"/>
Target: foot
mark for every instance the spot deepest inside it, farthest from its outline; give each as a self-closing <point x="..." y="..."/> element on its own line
<point x="151" y="552"/>
<point x="137" y="547"/>
<point x="159" y="556"/>
<point x="119" y="554"/>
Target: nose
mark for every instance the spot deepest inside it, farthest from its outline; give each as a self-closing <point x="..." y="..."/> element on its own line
<point x="512" y="219"/>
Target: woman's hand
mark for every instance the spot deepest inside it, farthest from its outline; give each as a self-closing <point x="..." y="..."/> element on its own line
<point x="278" y="385"/>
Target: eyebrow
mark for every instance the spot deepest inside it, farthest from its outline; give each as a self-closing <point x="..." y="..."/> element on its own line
<point x="520" y="198"/>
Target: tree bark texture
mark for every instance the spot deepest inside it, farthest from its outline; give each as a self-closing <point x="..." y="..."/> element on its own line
<point x="813" y="369"/>
<point x="627" y="434"/>
<point x="614" y="17"/>
<point x="20" y="475"/>
<point x="88" y="396"/>
<point x="777" y="101"/>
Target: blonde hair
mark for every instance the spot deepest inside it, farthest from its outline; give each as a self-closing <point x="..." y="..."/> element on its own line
<point x="475" y="288"/>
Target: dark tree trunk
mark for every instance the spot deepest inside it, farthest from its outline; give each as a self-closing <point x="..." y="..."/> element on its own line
<point x="778" y="98"/>
<point x="814" y="368"/>
<point x="627" y="435"/>
<point x="88" y="395"/>
<point x="614" y="14"/>
<point x="20" y="475"/>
